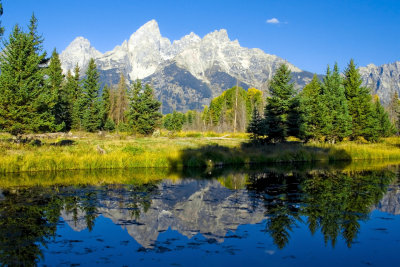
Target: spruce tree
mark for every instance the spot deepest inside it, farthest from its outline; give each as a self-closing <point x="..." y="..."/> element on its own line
<point x="279" y="105"/>
<point x="313" y="109"/>
<point x="337" y="124"/>
<point x="77" y="87"/>
<point x="25" y="102"/>
<point x="295" y="118"/>
<point x="144" y="115"/>
<point x="91" y="117"/>
<point x="74" y="89"/>
<point x="384" y="127"/>
<point x="256" y="127"/>
<point x="60" y="93"/>
<point x="359" y="102"/>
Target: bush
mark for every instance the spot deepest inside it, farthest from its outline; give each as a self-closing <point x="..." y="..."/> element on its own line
<point x="109" y="125"/>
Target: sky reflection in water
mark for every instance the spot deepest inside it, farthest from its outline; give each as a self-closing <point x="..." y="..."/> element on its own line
<point x="273" y="217"/>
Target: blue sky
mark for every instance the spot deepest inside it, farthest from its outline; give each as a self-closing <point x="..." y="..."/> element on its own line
<point x="310" y="34"/>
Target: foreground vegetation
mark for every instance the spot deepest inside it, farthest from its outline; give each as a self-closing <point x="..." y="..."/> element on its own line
<point x="186" y="149"/>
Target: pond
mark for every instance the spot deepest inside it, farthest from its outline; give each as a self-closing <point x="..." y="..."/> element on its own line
<point x="267" y="215"/>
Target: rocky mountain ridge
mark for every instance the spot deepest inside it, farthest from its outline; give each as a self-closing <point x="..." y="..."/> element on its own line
<point x="189" y="207"/>
<point x="383" y="80"/>
<point x="188" y="73"/>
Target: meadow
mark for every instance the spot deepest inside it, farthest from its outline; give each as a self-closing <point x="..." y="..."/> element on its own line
<point x="86" y="151"/>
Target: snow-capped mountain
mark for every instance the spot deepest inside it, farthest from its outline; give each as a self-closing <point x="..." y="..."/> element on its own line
<point x="78" y="52"/>
<point x="188" y="72"/>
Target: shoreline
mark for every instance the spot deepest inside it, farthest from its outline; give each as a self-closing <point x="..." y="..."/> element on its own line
<point x="178" y="153"/>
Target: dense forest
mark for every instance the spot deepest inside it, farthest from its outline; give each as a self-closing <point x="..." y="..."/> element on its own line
<point x="35" y="96"/>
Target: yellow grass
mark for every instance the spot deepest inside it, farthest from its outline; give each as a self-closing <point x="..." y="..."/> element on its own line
<point x="184" y="149"/>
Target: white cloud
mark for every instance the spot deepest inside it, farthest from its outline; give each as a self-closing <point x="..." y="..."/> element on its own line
<point x="273" y="21"/>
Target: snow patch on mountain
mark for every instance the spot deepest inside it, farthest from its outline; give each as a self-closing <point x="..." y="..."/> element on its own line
<point x="79" y="51"/>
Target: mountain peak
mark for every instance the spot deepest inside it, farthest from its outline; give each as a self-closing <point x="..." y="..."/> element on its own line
<point x="218" y="35"/>
<point x="80" y="39"/>
<point x="79" y="43"/>
<point x="150" y="27"/>
<point x="79" y="51"/>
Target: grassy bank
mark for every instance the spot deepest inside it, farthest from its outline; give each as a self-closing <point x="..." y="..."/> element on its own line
<point x="178" y="151"/>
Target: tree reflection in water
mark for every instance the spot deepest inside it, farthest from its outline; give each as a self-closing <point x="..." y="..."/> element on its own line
<point x="28" y="218"/>
<point x="332" y="202"/>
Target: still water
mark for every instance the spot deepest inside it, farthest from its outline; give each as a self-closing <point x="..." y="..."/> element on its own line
<point x="275" y="216"/>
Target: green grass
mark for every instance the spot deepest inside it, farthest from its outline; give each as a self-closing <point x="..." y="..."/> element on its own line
<point x="184" y="149"/>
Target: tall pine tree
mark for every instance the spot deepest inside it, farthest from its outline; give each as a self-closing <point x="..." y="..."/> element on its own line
<point x="337" y="124"/>
<point x="74" y="89"/>
<point x="359" y="103"/>
<point x="277" y="124"/>
<point x="91" y="117"/>
<point x="62" y="98"/>
<point x="313" y="109"/>
<point x="144" y="115"/>
<point x="256" y="127"/>
<point x="25" y="102"/>
<point x="384" y="127"/>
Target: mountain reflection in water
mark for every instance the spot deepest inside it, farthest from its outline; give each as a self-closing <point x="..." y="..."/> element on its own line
<point x="331" y="202"/>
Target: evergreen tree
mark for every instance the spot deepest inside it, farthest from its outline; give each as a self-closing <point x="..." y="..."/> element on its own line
<point x="144" y="115"/>
<point x="77" y="88"/>
<point x="174" y="121"/>
<point x="62" y="98"/>
<point x="190" y="116"/>
<point x="74" y="89"/>
<point x="337" y="124"/>
<point x="25" y="101"/>
<point x="256" y="126"/>
<point x="295" y="118"/>
<point x="359" y="102"/>
<point x="279" y="106"/>
<point x="91" y="117"/>
<point x="313" y="109"/>
<point x="383" y="127"/>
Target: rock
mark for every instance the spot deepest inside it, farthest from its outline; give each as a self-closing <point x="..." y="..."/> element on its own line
<point x="100" y="150"/>
<point x="383" y="80"/>
<point x="66" y="142"/>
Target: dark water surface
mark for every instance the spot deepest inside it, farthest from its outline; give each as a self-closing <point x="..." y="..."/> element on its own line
<point x="272" y="216"/>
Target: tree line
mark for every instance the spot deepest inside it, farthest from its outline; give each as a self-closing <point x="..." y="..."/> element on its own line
<point x="229" y="112"/>
<point x="331" y="110"/>
<point x="36" y="97"/>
